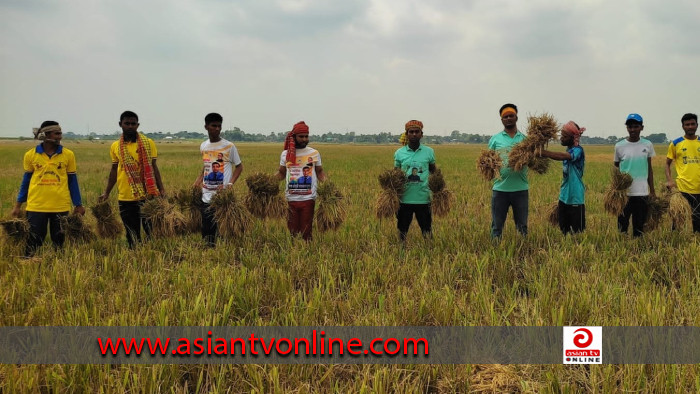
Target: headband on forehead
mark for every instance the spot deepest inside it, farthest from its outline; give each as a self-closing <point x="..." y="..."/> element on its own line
<point x="508" y="110"/>
<point x="574" y="130"/>
<point x="414" y="124"/>
<point x="40" y="134"/>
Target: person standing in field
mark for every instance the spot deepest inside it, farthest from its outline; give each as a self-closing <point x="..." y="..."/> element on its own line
<point x="685" y="151"/>
<point x="216" y="152"/>
<point x="301" y="197"/>
<point x="136" y="175"/>
<point x="572" y="209"/>
<point x="49" y="186"/>
<point x="416" y="161"/>
<point x="511" y="189"/>
<point x="633" y="156"/>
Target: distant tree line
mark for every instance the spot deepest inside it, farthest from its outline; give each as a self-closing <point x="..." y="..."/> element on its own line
<point x="237" y="135"/>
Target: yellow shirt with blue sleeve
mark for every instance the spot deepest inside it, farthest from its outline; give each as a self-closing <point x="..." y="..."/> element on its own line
<point x="686" y="154"/>
<point x="48" y="187"/>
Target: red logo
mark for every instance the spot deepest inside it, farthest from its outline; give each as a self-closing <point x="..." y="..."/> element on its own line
<point x="583" y="340"/>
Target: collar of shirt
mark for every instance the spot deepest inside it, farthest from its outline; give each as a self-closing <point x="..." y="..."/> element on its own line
<point x="505" y="133"/>
<point x="411" y="150"/>
<point x="40" y="149"/>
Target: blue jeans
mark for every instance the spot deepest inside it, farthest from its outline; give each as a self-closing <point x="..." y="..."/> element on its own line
<point x="500" y="202"/>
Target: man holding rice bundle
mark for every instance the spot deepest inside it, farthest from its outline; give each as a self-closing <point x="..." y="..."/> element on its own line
<point x="685" y="151"/>
<point x="571" y="209"/>
<point x="633" y="156"/>
<point x="136" y="175"/>
<point x="216" y="152"/>
<point x="511" y="189"/>
<point x="301" y="197"/>
<point x="417" y="161"/>
<point x="49" y="186"/>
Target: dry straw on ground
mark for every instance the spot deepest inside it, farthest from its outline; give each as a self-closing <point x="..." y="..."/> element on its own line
<point x="393" y="183"/>
<point x="494" y="378"/>
<point x="108" y="226"/>
<point x="264" y="199"/>
<point x="166" y="219"/>
<point x="489" y="164"/>
<point x="189" y="201"/>
<point x="16" y="228"/>
<point x="616" y="198"/>
<point x="442" y="198"/>
<point x="331" y="209"/>
<point x="232" y="218"/>
<point x="76" y="229"/>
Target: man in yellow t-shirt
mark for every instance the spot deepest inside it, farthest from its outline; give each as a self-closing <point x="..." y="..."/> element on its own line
<point x="49" y="187"/>
<point x="136" y="175"/>
<point x="685" y="151"/>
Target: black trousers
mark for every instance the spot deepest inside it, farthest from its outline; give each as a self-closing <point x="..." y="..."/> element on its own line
<point x="38" y="223"/>
<point x="572" y="218"/>
<point x="694" y="201"/>
<point x="637" y="209"/>
<point x="209" y="227"/>
<point x="405" y="217"/>
<point x="130" y="212"/>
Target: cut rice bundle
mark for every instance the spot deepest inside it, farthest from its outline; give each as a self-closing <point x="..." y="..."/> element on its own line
<point x="189" y="201"/>
<point x="108" y="226"/>
<point x="680" y="210"/>
<point x="387" y="204"/>
<point x="264" y="199"/>
<point x="232" y="218"/>
<point x="489" y="164"/>
<point x="620" y="180"/>
<point x="542" y="129"/>
<point x="166" y="219"/>
<point x="615" y="201"/>
<point x="76" y="229"/>
<point x="521" y="155"/>
<point x="436" y="181"/>
<point x="553" y="214"/>
<point x="442" y="198"/>
<point x="394" y="180"/>
<point x="17" y="229"/>
<point x="657" y="207"/>
<point x="332" y="207"/>
<point x="539" y="165"/>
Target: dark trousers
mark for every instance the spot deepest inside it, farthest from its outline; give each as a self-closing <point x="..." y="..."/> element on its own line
<point x="572" y="218"/>
<point x="404" y="217"/>
<point x="208" y="225"/>
<point x="500" y="202"/>
<point x="130" y="212"/>
<point x="300" y="218"/>
<point x="694" y="201"/>
<point x="637" y="209"/>
<point x="38" y="223"/>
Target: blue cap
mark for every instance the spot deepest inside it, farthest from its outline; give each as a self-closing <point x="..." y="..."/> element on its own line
<point x="634" y="117"/>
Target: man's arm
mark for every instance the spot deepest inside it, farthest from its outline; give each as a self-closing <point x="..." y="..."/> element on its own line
<point x="111" y="181"/>
<point x="650" y="178"/>
<point x="431" y="168"/>
<point x="670" y="183"/>
<point x="159" y="182"/>
<point x="198" y="182"/>
<point x="281" y="173"/>
<point x="236" y="173"/>
<point x="320" y="174"/>
<point x="561" y="156"/>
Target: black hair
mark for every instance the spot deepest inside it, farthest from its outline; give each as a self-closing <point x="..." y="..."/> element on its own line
<point x="213" y="117"/>
<point x="128" y="114"/>
<point x="217" y="163"/>
<point x="48" y="123"/>
<point x="689" y="116"/>
<point x="509" y="105"/>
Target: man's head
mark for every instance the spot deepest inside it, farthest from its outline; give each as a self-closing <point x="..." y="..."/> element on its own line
<point x="50" y="132"/>
<point x="307" y="171"/>
<point x="215" y="166"/>
<point x="690" y="124"/>
<point x="570" y="133"/>
<point x="635" y="125"/>
<point x="509" y="116"/>
<point x="414" y="131"/>
<point x="300" y="131"/>
<point x="129" y="122"/>
<point x="212" y="123"/>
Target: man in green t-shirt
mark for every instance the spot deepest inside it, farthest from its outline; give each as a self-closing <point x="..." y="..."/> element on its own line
<point x="417" y="162"/>
<point x="511" y="189"/>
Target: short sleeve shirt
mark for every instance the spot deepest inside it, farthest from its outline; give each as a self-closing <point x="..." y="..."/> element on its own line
<point x="297" y="185"/>
<point x="511" y="180"/>
<point x="572" y="189"/>
<point x="633" y="158"/>
<point x="416" y="165"/>
<point x="686" y="155"/>
<point x="218" y="159"/>
<point x="48" y="188"/>
<point x="125" y="193"/>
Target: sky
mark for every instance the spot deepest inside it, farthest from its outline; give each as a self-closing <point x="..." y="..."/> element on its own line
<point x="366" y="66"/>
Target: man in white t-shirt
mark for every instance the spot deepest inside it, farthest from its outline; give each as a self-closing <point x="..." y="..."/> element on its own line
<point x="633" y="156"/>
<point x="222" y="167"/>
<point x="300" y="193"/>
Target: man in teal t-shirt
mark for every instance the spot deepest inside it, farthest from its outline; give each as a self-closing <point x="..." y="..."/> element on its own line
<point x="511" y="190"/>
<point x="417" y="162"/>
